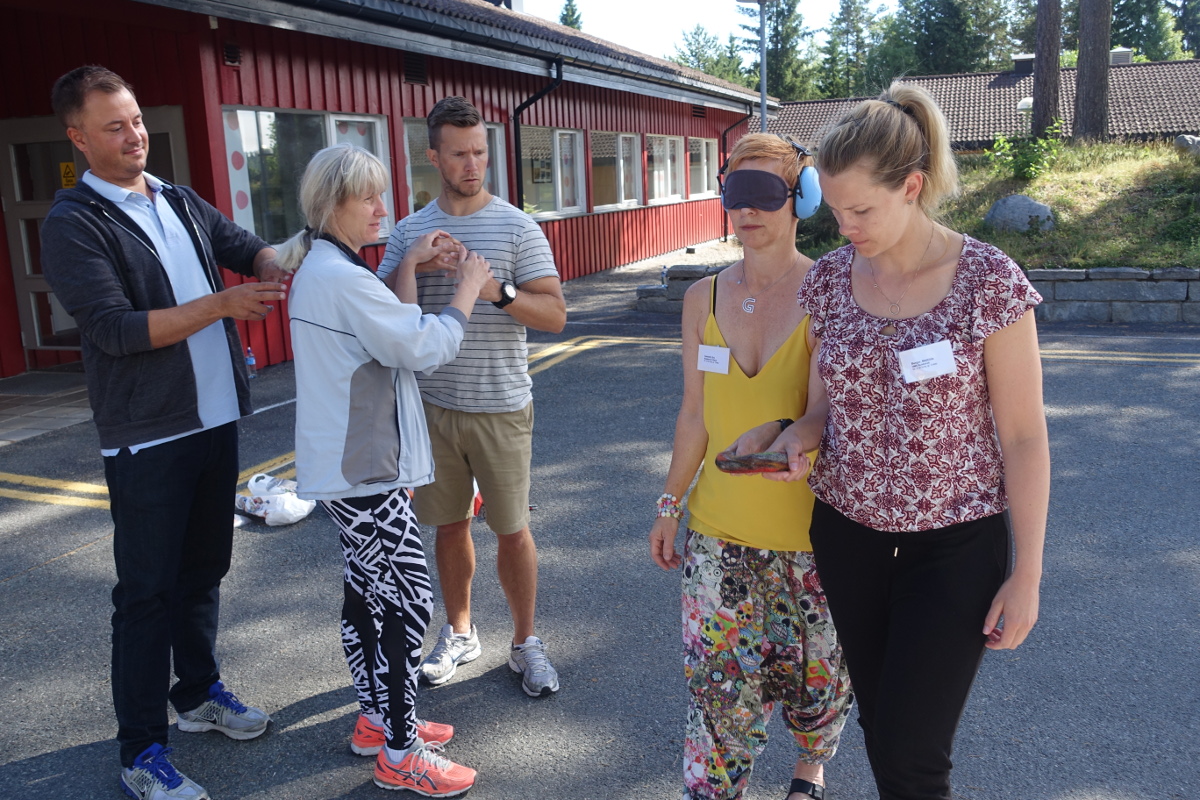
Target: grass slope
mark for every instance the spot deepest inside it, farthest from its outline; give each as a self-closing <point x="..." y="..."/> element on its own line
<point x="1115" y="205"/>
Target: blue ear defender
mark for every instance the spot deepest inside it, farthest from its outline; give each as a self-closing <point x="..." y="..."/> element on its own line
<point x="807" y="198"/>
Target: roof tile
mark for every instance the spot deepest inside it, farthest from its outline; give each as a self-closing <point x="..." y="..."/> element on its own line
<point x="1146" y="100"/>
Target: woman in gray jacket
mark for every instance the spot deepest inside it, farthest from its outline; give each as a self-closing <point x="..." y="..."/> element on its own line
<point x="361" y="444"/>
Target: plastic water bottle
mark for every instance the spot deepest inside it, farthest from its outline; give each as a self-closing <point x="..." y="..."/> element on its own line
<point x="251" y="370"/>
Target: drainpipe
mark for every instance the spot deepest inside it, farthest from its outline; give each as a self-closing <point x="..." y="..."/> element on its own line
<point x="516" y="121"/>
<point x="725" y="150"/>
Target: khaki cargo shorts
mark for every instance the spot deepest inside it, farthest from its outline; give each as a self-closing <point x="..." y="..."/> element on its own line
<point x="495" y="450"/>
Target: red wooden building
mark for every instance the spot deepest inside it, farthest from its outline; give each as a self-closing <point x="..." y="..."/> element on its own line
<point x="614" y="152"/>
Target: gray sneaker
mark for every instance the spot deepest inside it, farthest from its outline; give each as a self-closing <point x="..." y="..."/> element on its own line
<point x="451" y="650"/>
<point x="153" y="778"/>
<point x="538" y="676"/>
<point x="223" y="712"/>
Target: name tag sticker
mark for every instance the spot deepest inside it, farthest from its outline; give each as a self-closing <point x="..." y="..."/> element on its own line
<point x="713" y="359"/>
<point x="928" y="361"/>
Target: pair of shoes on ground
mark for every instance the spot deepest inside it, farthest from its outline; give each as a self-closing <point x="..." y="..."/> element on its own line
<point x="538" y="676"/>
<point x="152" y="777"/>
<point x="423" y="769"/>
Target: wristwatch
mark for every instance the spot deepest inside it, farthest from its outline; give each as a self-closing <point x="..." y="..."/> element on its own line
<point x="508" y="293"/>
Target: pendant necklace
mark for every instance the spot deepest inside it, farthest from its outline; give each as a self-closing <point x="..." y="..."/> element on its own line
<point x="748" y="303"/>
<point x="894" y="305"/>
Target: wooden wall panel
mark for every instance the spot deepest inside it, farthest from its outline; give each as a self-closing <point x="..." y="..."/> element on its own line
<point x="12" y="354"/>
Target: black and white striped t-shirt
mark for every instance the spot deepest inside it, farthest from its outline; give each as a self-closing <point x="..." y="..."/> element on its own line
<point x="490" y="373"/>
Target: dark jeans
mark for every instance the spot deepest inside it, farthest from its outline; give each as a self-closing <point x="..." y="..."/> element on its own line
<point x="172" y="543"/>
<point x="909" y="611"/>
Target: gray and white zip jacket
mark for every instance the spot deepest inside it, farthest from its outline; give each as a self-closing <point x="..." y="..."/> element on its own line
<point x="360" y="427"/>
<point x="108" y="276"/>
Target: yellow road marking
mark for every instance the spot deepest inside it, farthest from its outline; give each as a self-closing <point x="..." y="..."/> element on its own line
<point x="49" y="483"/>
<point x="550" y="350"/>
<point x="1121" y="353"/>
<point x="581" y="344"/>
<point x="266" y="466"/>
<point x="55" y="499"/>
<point x="1115" y="358"/>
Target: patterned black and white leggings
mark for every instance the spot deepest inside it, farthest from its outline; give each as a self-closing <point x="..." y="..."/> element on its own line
<point x="387" y="606"/>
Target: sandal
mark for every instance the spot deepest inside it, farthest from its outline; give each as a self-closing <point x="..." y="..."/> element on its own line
<point x="806" y="787"/>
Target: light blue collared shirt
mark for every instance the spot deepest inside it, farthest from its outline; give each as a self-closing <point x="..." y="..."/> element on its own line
<point x="216" y="393"/>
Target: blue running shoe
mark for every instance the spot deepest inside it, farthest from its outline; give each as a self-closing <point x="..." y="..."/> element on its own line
<point x="153" y="778"/>
<point x="223" y="712"/>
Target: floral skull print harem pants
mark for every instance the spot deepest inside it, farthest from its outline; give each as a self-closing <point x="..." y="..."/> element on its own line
<point x="756" y="632"/>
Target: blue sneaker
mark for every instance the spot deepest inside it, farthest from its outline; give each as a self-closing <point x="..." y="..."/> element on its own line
<point x="153" y="778"/>
<point x="223" y="712"/>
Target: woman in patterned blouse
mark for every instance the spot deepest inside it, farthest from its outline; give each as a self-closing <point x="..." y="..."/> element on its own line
<point x="928" y="354"/>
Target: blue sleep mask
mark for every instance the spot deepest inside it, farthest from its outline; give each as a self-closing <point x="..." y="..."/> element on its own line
<point x="766" y="191"/>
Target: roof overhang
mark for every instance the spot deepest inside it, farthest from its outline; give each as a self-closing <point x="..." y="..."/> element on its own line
<point x="401" y="26"/>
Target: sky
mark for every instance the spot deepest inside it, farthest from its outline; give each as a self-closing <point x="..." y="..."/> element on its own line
<point x="655" y="27"/>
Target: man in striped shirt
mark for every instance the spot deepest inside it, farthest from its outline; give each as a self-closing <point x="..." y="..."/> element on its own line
<point x="479" y="406"/>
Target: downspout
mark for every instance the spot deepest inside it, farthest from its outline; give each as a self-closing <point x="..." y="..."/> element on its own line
<point x="725" y="150"/>
<point x="516" y="121"/>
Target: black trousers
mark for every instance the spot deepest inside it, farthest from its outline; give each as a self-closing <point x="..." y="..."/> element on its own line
<point x="909" y="610"/>
<point x="172" y="544"/>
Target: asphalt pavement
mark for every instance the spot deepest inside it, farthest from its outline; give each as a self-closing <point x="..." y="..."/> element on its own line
<point x="1102" y="702"/>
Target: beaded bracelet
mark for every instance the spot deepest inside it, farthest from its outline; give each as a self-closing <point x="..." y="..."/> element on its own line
<point x="669" y="506"/>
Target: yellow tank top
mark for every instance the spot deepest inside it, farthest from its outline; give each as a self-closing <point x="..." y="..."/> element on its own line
<point x="746" y="509"/>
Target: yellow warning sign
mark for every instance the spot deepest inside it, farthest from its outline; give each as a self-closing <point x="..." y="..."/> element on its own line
<point x="66" y="170"/>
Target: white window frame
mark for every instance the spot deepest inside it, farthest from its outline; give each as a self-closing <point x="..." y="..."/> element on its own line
<point x="679" y="168"/>
<point x="330" y="119"/>
<point x="580" y="188"/>
<point x="622" y="201"/>
<point x="382" y="152"/>
<point x="708" y="165"/>
<point x="497" y="158"/>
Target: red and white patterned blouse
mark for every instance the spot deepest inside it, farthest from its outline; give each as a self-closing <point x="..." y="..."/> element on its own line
<point x="899" y="456"/>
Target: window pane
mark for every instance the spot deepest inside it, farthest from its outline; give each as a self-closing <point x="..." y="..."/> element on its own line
<point x="268" y="151"/>
<point x="31" y="238"/>
<point x="159" y="160"/>
<point x="630" y="168"/>
<point x="567" y="161"/>
<point x="696" y="171"/>
<point x="605" y="191"/>
<point x="495" y="155"/>
<point x="55" y="327"/>
<point x="42" y="167"/>
<point x="657" y="167"/>
<point x="537" y="167"/>
<point x="425" y="183"/>
<point x="359" y="132"/>
<point x="676" y="168"/>
<point x="710" y="148"/>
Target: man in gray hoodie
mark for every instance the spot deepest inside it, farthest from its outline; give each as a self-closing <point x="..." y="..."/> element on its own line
<point x="134" y="261"/>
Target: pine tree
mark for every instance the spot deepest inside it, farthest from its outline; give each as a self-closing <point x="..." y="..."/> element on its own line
<point x="570" y="16"/>
<point x="892" y="53"/>
<point x="1091" y="78"/>
<point x="792" y="66"/>
<point x="844" y="56"/>
<point x="1046" y="72"/>
<point x="990" y="21"/>
<point x="698" y="51"/>
<point x="1187" y="22"/>
<point x="1147" y="27"/>
<point x="1023" y="26"/>
<point x="702" y="50"/>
